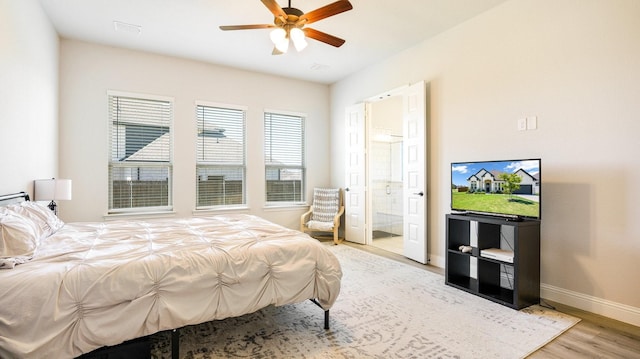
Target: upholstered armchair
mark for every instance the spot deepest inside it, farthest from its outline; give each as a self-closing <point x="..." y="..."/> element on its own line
<point x="325" y="212"/>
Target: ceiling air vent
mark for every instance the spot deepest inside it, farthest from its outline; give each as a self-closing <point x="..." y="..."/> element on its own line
<point x="319" y="67"/>
<point x="127" y="28"/>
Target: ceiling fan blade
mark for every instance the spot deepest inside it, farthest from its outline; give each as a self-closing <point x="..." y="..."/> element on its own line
<point x="275" y="9"/>
<point x="245" y="27"/>
<point x="325" y="11"/>
<point x="323" y="36"/>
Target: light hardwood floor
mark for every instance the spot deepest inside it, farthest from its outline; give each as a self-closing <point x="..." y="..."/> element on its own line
<point x="594" y="336"/>
<point x="389" y="244"/>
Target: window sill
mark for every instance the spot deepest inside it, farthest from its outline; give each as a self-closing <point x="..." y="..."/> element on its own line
<point x="285" y="207"/>
<point x="139" y="215"/>
<point x="219" y="210"/>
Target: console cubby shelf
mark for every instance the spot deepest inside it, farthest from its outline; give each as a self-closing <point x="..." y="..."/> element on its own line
<point x="514" y="284"/>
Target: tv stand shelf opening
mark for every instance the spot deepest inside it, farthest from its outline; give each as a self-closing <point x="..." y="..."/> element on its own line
<point x="514" y="282"/>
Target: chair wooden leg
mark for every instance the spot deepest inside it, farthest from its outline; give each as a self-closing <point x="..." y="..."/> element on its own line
<point x="336" y="239"/>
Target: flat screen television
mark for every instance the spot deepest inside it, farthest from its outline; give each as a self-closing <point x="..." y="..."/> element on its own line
<point x="502" y="188"/>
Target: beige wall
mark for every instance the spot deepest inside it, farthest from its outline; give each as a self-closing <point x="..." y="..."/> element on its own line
<point x="28" y="96"/>
<point x="88" y="71"/>
<point x="575" y="64"/>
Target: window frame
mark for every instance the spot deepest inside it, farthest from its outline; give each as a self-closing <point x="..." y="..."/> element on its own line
<point x="140" y="164"/>
<point x="303" y="157"/>
<point x="199" y="164"/>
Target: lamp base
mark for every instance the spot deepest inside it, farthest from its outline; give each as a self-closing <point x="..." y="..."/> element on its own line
<point x="53" y="206"/>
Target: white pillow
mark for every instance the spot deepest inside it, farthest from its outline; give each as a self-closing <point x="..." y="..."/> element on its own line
<point x="45" y="222"/>
<point x="17" y="236"/>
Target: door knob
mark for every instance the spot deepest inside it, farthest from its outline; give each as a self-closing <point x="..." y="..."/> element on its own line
<point x="346" y="189"/>
<point x="420" y="193"/>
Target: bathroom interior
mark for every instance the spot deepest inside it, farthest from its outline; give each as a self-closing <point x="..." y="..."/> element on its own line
<point x="385" y="174"/>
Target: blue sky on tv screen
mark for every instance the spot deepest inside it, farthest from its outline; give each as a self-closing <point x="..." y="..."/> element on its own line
<point x="460" y="172"/>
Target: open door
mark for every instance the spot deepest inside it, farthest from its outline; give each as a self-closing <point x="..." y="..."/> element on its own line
<point x="355" y="173"/>
<point x="415" y="173"/>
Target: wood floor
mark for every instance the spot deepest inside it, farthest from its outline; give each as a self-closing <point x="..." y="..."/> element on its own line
<point x="594" y="336"/>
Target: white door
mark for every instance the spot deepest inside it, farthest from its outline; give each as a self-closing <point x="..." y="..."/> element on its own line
<point x="355" y="175"/>
<point x="415" y="172"/>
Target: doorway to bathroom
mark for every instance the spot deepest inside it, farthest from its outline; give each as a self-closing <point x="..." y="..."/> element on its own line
<point x="386" y="174"/>
<point x="385" y="163"/>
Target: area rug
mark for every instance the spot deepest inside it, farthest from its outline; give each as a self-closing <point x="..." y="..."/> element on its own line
<point x="386" y="309"/>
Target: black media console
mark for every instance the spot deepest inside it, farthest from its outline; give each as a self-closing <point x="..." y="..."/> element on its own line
<point x="494" y="258"/>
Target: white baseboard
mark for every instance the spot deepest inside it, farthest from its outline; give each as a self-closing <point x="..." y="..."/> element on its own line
<point x="622" y="312"/>
<point x="606" y="308"/>
<point x="436" y="261"/>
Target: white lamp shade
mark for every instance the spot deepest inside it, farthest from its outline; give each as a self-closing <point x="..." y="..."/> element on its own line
<point x="278" y="35"/>
<point x="280" y="39"/>
<point x="52" y="189"/>
<point x="283" y="45"/>
<point x="298" y="38"/>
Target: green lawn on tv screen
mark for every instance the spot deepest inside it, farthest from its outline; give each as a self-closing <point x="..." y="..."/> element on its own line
<point x="495" y="203"/>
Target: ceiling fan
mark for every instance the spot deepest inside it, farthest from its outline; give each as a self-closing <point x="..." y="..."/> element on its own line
<point x="289" y="24"/>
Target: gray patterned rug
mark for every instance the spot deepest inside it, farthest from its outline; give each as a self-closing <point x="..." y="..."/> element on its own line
<point x="386" y="309"/>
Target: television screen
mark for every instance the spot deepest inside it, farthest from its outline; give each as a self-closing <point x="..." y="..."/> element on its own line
<point x="508" y="188"/>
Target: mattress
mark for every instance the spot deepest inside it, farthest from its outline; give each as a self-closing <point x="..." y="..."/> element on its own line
<point x="90" y="285"/>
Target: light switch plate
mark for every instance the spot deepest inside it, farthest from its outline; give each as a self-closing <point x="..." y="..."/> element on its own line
<point x="522" y="124"/>
<point x="532" y="123"/>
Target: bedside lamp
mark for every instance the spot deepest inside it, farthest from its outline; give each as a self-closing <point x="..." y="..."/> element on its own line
<point x="52" y="190"/>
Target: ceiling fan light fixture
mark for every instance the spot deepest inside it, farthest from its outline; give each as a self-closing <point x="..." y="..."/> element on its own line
<point x="278" y="35"/>
<point x="280" y="39"/>
<point x="283" y="46"/>
<point x="298" y="38"/>
<point x="300" y="44"/>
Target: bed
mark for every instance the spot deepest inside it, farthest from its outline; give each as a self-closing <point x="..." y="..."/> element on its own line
<point x="76" y="287"/>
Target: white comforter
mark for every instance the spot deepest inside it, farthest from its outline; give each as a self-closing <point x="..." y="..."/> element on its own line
<point x="96" y="284"/>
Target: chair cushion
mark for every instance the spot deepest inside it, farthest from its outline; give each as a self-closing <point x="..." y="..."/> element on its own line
<point x="326" y="202"/>
<point x="320" y="226"/>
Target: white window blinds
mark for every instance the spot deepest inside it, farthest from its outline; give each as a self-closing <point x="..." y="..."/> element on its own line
<point x="284" y="157"/>
<point x="140" y="146"/>
<point x="220" y="168"/>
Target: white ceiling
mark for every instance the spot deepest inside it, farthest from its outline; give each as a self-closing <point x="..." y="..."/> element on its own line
<point x="373" y="30"/>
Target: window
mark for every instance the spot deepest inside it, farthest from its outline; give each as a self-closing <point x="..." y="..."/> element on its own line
<point x="284" y="158"/>
<point x="220" y="163"/>
<point x="140" y="168"/>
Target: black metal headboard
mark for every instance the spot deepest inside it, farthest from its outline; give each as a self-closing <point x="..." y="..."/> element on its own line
<point x="6" y="199"/>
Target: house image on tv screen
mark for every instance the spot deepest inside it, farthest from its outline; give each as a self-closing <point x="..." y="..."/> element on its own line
<point x="491" y="182"/>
